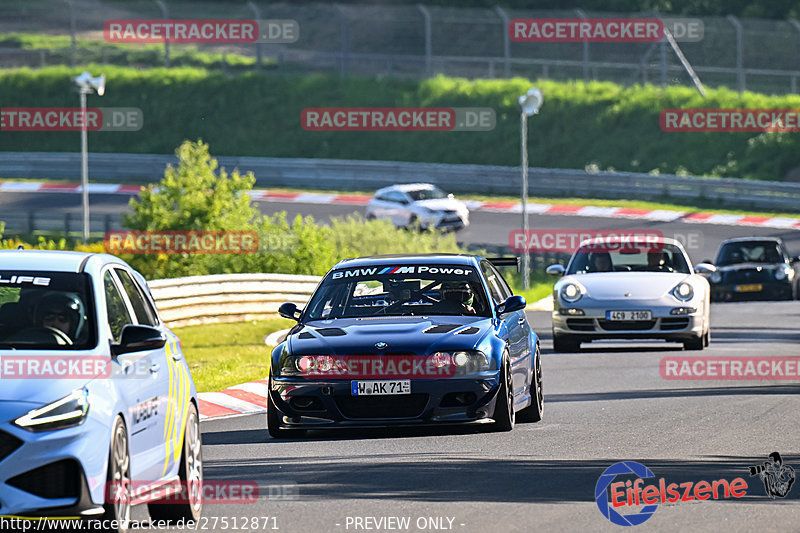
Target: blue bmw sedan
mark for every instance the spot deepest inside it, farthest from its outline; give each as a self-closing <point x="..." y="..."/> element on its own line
<point x="403" y="340"/>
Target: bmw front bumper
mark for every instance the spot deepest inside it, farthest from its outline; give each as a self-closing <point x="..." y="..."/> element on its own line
<point x="320" y="404"/>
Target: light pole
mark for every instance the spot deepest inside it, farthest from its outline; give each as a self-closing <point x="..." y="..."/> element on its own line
<point x="86" y="84"/>
<point x="529" y="104"/>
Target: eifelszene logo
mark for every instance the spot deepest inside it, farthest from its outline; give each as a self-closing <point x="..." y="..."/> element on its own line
<point x="778" y="478"/>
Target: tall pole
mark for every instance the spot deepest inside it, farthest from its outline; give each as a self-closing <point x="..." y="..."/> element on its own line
<point x="84" y="169"/>
<point x="526" y="267"/>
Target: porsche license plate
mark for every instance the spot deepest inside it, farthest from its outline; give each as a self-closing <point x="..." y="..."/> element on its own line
<point x="753" y="287"/>
<point x="629" y="315"/>
<point x="380" y="388"/>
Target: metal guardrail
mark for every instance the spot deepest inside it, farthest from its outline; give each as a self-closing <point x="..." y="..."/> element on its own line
<point x="221" y="298"/>
<point x="369" y="175"/>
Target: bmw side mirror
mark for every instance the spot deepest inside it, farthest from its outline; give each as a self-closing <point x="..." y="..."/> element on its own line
<point x="555" y="270"/>
<point x="138" y="339"/>
<point x="511" y="304"/>
<point x="704" y="268"/>
<point x="289" y="310"/>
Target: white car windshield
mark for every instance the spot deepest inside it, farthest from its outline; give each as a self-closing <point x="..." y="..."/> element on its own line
<point x="611" y="257"/>
<point x="427" y="194"/>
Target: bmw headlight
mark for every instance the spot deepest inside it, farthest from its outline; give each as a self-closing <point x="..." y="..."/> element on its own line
<point x="715" y="277"/>
<point x="464" y="361"/>
<point x="571" y="292"/>
<point x="69" y="411"/>
<point x="783" y="272"/>
<point x="683" y="292"/>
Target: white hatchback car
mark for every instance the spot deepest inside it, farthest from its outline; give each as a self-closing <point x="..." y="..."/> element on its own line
<point x="422" y="204"/>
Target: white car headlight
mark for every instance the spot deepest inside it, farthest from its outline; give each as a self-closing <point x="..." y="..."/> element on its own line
<point x="69" y="411"/>
<point x="715" y="277"/>
<point x="683" y="292"/>
<point x="571" y="292"/>
<point x="783" y="272"/>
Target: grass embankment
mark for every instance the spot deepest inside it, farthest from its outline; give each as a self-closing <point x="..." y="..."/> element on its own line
<point x="222" y="355"/>
<point x="598" y="125"/>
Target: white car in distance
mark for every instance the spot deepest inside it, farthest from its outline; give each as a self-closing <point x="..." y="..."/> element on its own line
<point x="418" y="204"/>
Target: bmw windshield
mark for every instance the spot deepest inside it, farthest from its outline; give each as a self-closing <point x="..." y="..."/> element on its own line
<point x="412" y="290"/>
<point x="46" y="310"/>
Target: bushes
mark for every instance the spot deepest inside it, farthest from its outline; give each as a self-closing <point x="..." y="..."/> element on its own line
<point x="581" y="124"/>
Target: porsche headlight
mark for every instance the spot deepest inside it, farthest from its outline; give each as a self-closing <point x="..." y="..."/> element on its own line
<point x="69" y="411"/>
<point x="683" y="292"/>
<point x="715" y="277"/>
<point x="571" y="292"/>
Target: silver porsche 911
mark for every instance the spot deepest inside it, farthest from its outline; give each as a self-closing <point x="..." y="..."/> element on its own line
<point x="640" y="289"/>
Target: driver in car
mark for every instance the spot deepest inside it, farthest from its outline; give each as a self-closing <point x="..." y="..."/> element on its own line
<point x="62" y="311"/>
<point x="457" y="298"/>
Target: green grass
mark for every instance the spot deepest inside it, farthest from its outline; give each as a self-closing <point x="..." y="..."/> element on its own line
<point x="222" y="355"/>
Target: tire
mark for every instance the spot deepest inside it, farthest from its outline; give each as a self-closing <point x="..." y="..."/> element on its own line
<point x="695" y="343"/>
<point x="535" y="411"/>
<point x="371" y="217"/>
<point x="118" y="479"/>
<point x="413" y="224"/>
<point x="565" y="343"/>
<point x="504" y="405"/>
<point x="707" y="338"/>
<point x="189" y="506"/>
<point x="274" y="424"/>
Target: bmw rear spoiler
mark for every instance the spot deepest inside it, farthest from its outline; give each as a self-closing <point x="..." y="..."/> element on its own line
<point x="504" y="261"/>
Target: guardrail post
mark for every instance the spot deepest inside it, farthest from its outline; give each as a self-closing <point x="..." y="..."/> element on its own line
<point x="506" y="41"/>
<point x="165" y="14"/>
<point x="740" y="80"/>
<point x="428" y="45"/>
<point x="582" y="15"/>
<point x="107" y="222"/>
<point x="67" y="228"/>
<point x="793" y="78"/>
<point x="31" y="226"/>
<point x="344" y="38"/>
<point x="257" y="15"/>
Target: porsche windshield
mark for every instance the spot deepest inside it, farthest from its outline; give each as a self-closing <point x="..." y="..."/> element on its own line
<point x="608" y="258"/>
<point x="46" y="310"/>
<point x="399" y="291"/>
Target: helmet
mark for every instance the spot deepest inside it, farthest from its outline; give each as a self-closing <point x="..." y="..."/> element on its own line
<point x="457" y="291"/>
<point x="68" y="304"/>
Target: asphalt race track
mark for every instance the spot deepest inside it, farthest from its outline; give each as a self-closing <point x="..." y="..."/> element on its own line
<point x="604" y="405"/>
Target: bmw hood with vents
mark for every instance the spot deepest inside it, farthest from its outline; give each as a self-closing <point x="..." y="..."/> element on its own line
<point x="402" y="335"/>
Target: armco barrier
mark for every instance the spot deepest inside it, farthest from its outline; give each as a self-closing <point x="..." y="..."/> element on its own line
<point x="216" y="298"/>
<point x="371" y="175"/>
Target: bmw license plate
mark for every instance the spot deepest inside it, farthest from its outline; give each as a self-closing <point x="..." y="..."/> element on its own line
<point x="629" y="316"/>
<point x="380" y="388"/>
<point x="754" y="287"/>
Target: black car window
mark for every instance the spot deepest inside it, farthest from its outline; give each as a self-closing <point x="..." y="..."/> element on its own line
<point x="732" y="253"/>
<point x="396" y="197"/>
<point x="491" y="279"/>
<point x="41" y="310"/>
<point x="116" y="311"/>
<point x="141" y="307"/>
